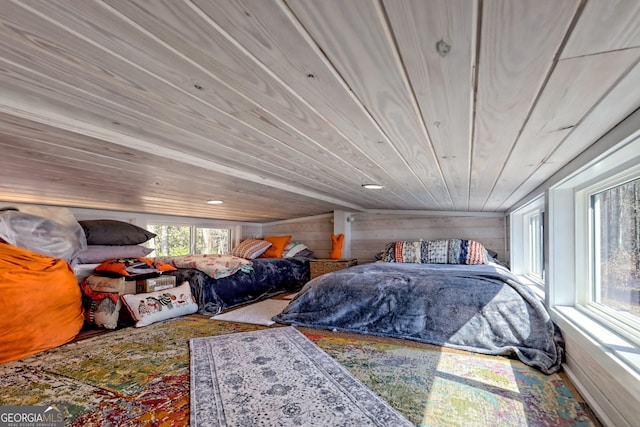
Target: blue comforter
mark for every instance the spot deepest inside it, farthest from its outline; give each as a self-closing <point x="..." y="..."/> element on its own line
<point x="269" y="277"/>
<point x="481" y="308"/>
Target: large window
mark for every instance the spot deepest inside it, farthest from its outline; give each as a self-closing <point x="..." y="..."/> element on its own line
<point x="615" y="251"/>
<point x="183" y="240"/>
<point x="591" y="270"/>
<point x="606" y="237"/>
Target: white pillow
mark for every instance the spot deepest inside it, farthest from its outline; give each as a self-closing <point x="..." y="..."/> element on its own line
<point x="293" y="249"/>
<point x="155" y="306"/>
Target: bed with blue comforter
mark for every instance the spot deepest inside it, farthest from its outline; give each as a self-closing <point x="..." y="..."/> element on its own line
<point x="267" y="277"/>
<point x="481" y="308"/>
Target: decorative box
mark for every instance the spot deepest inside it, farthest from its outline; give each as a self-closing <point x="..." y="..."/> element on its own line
<point x="155" y="284"/>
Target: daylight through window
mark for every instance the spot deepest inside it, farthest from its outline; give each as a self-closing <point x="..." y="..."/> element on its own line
<point x="615" y="219"/>
<point x="173" y="240"/>
<point x="534" y="260"/>
<point x="212" y="240"/>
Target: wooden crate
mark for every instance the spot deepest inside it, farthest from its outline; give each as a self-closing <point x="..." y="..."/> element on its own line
<point x="155" y="284"/>
<point x="321" y="266"/>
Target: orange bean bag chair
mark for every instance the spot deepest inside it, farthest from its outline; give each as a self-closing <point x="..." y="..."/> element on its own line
<point x="40" y="302"/>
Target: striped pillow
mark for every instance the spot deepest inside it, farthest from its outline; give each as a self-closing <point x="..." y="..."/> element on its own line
<point x="250" y="248"/>
<point x="293" y="249"/>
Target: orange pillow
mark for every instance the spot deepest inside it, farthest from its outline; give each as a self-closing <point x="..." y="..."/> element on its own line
<point x="133" y="266"/>
<point x="278" y="243"/>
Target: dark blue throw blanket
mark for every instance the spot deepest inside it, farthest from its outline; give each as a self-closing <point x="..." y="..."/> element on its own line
<point x="270" y="276"/>
<point x="480" y="308"/>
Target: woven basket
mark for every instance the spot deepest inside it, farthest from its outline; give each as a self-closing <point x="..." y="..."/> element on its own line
<point x="321" y="266"/>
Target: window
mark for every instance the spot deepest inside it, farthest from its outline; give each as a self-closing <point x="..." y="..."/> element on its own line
<point x="595" y="241"/>
<point x="170" y="240"/>
<point x="175" y="240"/>
<point x="602" y="337"/>
<point x="534" y="246"/>
<point x="212" y="240"/>
<point x="527" y="244"/>
<point x="615" y="251"/>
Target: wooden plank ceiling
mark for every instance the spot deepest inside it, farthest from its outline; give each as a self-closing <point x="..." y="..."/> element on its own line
<point x="285" y="108"/>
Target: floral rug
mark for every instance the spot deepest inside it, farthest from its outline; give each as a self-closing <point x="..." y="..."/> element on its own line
<point x="136" y="377"/>
<point x="278" y="377"/>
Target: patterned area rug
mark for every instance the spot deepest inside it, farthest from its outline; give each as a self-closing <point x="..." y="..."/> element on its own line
<point x="140" y="377"/>
<point x="278" y="377"/>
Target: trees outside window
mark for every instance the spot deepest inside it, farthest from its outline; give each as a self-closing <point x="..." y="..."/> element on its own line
<point x="615" y="222"/>
<point x="174" y="240"/>
<point x="212" y="240"/>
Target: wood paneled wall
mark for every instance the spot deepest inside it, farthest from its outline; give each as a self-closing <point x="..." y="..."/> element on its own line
<point x="370" y="232"/>
<point x="314" y="231"/>
<point x="248" y="231"/>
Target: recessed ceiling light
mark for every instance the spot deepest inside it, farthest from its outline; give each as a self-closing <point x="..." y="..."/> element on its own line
<point x="372" y="186"/>
<point x="215" y="202"/>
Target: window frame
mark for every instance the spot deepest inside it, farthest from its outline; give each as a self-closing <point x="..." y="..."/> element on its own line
<point x="521" y="244"/>
<point x="193" y="227"/>
<point x="598" y="358"/>
<point x="194" y="237"/>
<point x="587" y="284"/>
<point x="534" y="246"/>
<point x="568" y="235"/>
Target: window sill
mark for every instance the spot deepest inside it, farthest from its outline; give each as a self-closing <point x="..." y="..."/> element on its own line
<point x="604" y="365"/>
<point x="608" y="341"/>
<point x="535" y="286"/>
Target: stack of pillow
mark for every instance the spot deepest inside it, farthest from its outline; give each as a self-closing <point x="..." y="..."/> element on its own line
<point x="103" y="298"/>
<point x="108" y="239"/>
<point x="297" y="249"/>
<point x="116" y="246"/>
<point x="271" y="247"/>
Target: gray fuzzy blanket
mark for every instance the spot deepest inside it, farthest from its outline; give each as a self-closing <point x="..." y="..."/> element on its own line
<point x="480" y="308"/>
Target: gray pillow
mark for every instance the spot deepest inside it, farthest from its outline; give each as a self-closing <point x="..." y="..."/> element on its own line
<point x="100" y="253"/>
<point x="112" y="232"/>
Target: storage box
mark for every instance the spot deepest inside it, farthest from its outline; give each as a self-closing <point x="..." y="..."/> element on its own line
<point x="321" y="266"/>
<point x="155" y="284"/>
<point x="114" y="285"/>
<point x="129" y="287"/>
